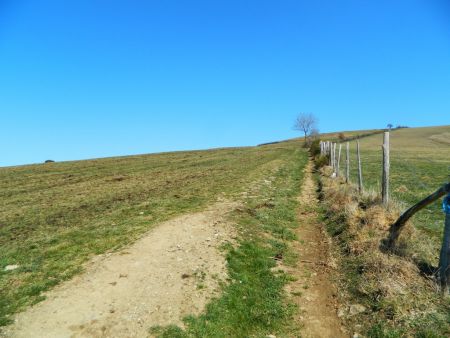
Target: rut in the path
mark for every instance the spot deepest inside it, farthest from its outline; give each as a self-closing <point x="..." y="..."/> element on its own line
<point x="314" y="289"/>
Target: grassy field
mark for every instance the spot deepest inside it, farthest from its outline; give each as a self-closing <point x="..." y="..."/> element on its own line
<point x="56" y="216"/>
<point x="420" y="163"/>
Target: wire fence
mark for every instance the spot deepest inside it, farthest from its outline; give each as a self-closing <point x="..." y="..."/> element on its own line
<point x="414" y="175"/>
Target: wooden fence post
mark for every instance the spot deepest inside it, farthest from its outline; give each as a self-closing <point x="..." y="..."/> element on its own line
<point x="347" y="174"/>
<point x="334" y="156"/>
<point x="444" y="258"/>
<point x="330" y="154"/>
<point x="386" y="165"/>
<point x="338" y="160"/>
<point x="360" y="180"/>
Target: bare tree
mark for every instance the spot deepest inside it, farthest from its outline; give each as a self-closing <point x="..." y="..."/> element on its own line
<point x="306" y="123"/>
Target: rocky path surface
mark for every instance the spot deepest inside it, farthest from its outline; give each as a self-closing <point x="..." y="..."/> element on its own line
<point x="171" y="272"/>
<point x="314" y="290"/>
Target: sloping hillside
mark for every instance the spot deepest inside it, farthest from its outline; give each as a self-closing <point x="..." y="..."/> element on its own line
<point x="55" y="216"/>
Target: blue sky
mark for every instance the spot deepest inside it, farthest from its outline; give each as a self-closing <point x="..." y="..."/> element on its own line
<point x="82" y="79"/>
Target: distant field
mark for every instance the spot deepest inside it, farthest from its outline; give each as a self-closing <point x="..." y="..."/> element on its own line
<point x="420" y="163"/>
<point x="55" y="216"/>
<point x="350" y="133"/>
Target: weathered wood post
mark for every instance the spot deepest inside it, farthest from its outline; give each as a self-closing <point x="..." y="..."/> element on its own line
<point x="334" y="156"/>
<point x="338" y="160"/>
<point x="330" y="154"/>
<point x="386" y="167"/>
<point x="347" y="173"/>
<point x="444" y="258"/>
<point x="360" y="180"/>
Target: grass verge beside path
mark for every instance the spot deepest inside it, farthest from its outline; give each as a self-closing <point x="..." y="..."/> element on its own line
<point x="253" y="303"/>
<point x="382" y="295"/>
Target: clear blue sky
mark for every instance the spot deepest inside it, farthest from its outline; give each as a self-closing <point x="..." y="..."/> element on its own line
<point x="85" y="78"/>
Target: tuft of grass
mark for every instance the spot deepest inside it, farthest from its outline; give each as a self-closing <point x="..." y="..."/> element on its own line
<point x="254" y="303"/>
<point x="380" y="331"/>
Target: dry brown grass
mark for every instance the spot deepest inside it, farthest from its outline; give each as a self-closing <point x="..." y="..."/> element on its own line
<point x="396" y="287"/>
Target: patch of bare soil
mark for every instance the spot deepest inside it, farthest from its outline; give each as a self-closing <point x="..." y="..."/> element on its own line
<point x="441" y="138"/>
<point x="314" y="291"/>
<point x="171" y="272"/>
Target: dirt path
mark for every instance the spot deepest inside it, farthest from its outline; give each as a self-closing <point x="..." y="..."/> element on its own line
<point x="316" y="296"/>
<point x="171" y="272"/>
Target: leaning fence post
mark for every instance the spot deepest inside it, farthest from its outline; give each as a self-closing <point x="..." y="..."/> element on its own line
<point x="396" y="228"/>
<point x="338" y="161"/>
<point x="360" y="180"/>
<point x="444" y="259"/>
<point x="347" y="174"/>
<point x="386" y="165"/>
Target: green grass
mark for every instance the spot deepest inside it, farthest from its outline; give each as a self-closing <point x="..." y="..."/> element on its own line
<point x="253" y="304"/>
<point x="55" y="216"/>
<point x="420" y="164"/>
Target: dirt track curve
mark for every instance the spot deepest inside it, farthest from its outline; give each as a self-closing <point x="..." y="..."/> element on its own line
<point x="171" y="272"/>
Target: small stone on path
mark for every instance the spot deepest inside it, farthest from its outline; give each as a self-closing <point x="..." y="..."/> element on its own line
<point x="356" y="308"/>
